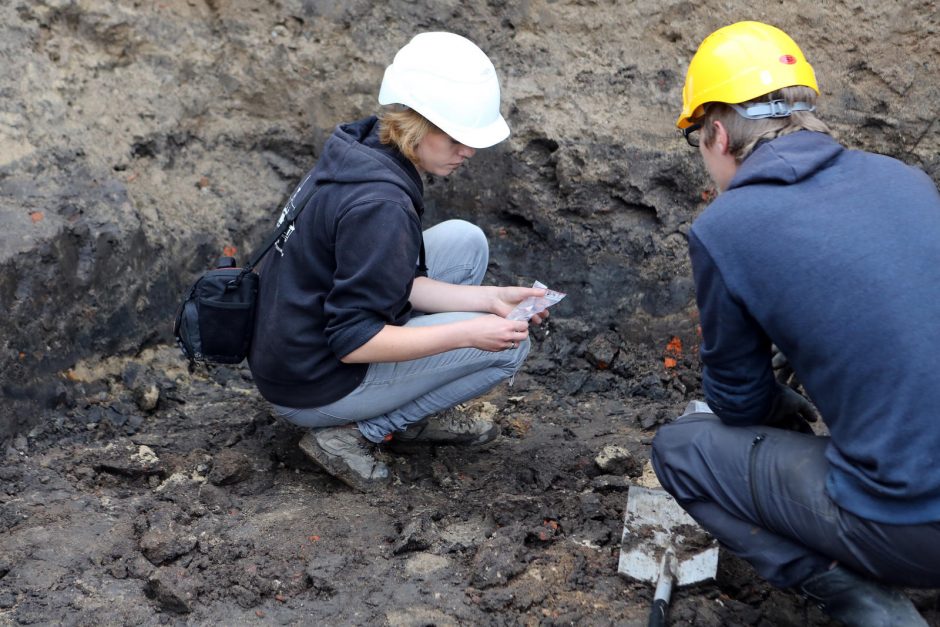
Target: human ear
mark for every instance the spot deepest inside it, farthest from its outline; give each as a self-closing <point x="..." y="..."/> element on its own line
<point x="720" y="140"/>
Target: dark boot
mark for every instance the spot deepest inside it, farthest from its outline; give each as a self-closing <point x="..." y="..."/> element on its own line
<point x="859" y="602"/>
<point x="347" y="455"/>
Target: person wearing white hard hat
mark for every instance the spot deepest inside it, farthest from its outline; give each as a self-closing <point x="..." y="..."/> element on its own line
<point x="368" y="327"/>
<point x="450" y="82"/>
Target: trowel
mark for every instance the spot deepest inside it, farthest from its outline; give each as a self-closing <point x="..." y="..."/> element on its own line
<point x="663" y="545"/>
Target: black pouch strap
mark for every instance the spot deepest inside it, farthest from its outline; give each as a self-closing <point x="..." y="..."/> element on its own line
<point x="422" y="262"/>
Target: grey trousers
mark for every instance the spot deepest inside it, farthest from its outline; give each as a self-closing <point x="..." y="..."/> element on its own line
<point x="395" y="395"/>
<point x="761" y="492"/>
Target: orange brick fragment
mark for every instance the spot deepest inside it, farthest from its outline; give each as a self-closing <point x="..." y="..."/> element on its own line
<point x="673" y="353"/>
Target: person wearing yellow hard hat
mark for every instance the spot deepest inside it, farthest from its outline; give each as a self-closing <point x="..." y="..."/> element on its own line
<point x="368" y="326"/>
<point x="826" y="260"/>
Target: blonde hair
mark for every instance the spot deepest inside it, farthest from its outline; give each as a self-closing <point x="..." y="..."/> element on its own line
<point x="404" y="128"/>
<point x="743" y="134"/>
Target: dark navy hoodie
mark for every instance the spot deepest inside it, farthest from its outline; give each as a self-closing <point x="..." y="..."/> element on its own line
<point x="346" y="270"/>
<point x="834" y="255"/>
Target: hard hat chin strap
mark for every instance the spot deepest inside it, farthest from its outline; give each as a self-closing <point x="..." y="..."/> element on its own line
<point x="772" y="109"/>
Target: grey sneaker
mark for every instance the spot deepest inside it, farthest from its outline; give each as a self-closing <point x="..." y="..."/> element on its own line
<point x="860" y="602"/>
<point x="347" y="455"/>
<point x="449" y="427"/>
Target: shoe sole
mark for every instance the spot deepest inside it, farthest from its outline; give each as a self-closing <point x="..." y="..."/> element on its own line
<point x="336" y="468"/>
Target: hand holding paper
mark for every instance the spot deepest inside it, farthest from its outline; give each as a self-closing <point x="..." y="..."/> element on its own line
<point x="533" y="305"/>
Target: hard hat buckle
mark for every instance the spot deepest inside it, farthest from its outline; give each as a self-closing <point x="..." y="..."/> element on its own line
<point x="771" y="109"/>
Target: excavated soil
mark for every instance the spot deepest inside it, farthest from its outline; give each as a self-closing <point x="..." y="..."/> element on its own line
<point x="138" y="140"/>
<point x="163" y="497"/>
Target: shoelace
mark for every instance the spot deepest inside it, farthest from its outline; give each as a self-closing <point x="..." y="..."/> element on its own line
<point x="456" y="422"/>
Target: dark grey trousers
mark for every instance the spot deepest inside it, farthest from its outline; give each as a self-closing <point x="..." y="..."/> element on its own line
<point x="761" y="492"/>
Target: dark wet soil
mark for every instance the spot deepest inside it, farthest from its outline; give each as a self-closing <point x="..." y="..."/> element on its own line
<point x="163" y="497"/>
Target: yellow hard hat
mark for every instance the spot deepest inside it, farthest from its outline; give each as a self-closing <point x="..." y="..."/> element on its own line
<point x="739" y="63"/>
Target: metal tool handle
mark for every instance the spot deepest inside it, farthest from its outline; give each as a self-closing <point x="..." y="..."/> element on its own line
<point x="667" y="574"/>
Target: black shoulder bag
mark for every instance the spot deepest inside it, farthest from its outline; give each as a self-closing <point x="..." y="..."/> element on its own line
<point x="215" y="321"/>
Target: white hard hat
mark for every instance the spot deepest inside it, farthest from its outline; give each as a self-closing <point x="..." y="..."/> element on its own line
<point x="451" y="82"/>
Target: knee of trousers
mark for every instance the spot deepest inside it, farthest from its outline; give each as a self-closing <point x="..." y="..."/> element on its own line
<point x="675" y="451"/>
<point x="468" y="233"/>
<point x="473" y="240"/>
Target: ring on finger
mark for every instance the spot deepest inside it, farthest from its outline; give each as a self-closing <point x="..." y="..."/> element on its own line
<point x="512" y="345"/>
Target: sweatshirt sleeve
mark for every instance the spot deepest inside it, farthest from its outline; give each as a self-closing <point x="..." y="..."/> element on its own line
<point x="377" y="249"/>
<point x="737" y="375"/>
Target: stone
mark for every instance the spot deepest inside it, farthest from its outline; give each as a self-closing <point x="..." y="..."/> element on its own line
<point x="172" y="589"/>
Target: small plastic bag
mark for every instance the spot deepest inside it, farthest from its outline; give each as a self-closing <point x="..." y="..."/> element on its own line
<point x="535" y="304"/>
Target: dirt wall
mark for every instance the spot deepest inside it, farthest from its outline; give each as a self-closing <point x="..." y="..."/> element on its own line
<point x="138" y="139"/>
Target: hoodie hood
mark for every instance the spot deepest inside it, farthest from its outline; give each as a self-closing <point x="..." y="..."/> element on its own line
<point x="787" y="160"/>
<point x="354" y="154"/>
